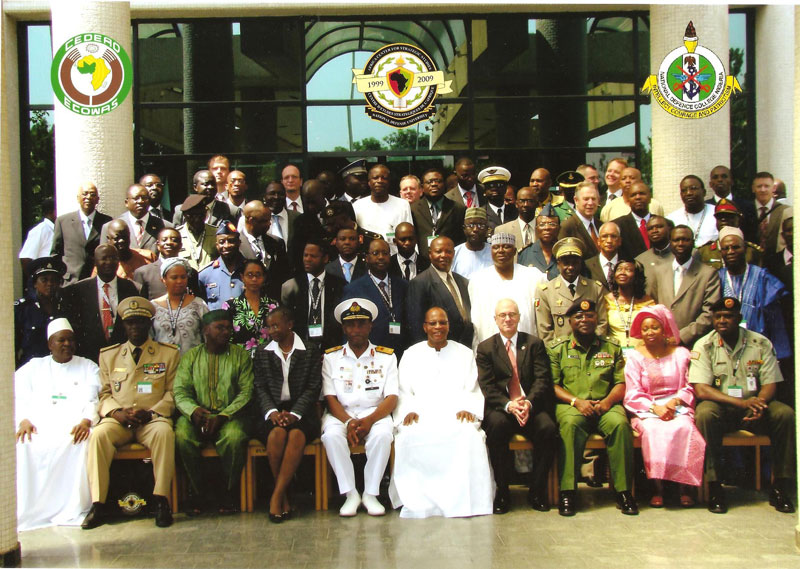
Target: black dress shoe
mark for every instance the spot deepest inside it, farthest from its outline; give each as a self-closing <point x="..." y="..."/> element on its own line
<point x="276" y="518"/>
<point x="163" y="512"/>
<point x="627" y="503"/>
<point x="538" y="502"/>
<point x="566" y="503"/>
<point x="501" y="503"/>
<point x="95" y="517"/>
<point x="780" y="501"/>
<point x="716" y="500"/>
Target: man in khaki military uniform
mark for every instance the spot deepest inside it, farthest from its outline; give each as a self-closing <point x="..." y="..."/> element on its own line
<point x="735" y="374"/>
<point x="135" y="405"/>
<point x="554" y="297"/>
<point x="727" y="215"/>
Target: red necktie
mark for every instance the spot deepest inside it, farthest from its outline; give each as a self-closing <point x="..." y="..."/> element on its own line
<point x="643" y="231"/>
<point x="294" y="206"/>
<point x="593" y="233"/>
<point x="468" y="195"/>
<point x="107" y="319"/>
<point x="514" y="388"/>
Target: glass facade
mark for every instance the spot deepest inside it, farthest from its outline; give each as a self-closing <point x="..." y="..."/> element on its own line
<point x="529" y="90"/>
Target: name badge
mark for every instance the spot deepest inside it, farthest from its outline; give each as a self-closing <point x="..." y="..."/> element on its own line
<point x="743" y="324"/>
<point x="751" y="383"/>
<point x="735" y="391"/>
<point x="626" y="350"/>
<point x="154" y="368"/>
<point x="394" y="327"/>
<point x="211" y="285"/>
<point x="57" y="398"/>
<point x="390" y="236"/>
<point x="144" y="387"/>
<point x="122" y="369"/>
<point x="348" y="386"/>
<point x="372" y="388"/>
<point x="315" y="330"/>
<point x="431" y="238"/>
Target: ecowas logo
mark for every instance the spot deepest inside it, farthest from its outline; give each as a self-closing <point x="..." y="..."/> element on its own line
<point x="691" y="81"/>
<point x="91" y="74"/>
<point x="400" y="83"/>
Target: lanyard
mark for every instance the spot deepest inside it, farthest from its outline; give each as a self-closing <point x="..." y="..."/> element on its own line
<point x="386" y="296"/>
<point x="626" y="325"/>
<point x="315" y="300"/>
<point x="174" y="316"/>
<point x="696" y="230"/>
<point x="729" y="283"/>
<point x="730" y="354"/>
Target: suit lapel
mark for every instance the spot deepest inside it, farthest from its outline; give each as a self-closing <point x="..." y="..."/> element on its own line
<point x="77" y="228"/>
<point x="688" y="279"/>
<point x="505" y="363"/>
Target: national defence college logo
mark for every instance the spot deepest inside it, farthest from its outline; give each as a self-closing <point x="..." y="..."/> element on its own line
<point x="91" y="74"/>
<point x="400" y="83"/>
<point x="691" y="81"/>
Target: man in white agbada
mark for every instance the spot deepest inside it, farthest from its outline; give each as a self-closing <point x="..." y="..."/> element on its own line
<point x="56" y="404"/>
<point x="504" y="279"/>
<point x="441" y="464"/>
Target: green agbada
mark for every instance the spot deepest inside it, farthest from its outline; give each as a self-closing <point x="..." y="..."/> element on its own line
<point x="221" y="383"/>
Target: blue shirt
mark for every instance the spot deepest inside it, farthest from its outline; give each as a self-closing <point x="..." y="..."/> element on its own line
<point x="219" y="285"/>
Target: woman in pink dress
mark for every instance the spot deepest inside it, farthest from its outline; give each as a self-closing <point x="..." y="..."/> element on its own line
<point x="662" y="401"/>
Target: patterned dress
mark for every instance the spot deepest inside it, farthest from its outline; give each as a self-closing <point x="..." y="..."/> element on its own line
<point x="249" y="329"/>
<point x="188" y="330"/>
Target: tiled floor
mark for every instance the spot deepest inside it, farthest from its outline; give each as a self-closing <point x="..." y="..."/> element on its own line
<point x="751" y="535"/>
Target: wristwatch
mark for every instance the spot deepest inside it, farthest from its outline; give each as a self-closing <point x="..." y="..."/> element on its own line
<point x="572" y="403"/>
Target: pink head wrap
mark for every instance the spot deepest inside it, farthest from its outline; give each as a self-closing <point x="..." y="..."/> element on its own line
<point x="660" y="313"/>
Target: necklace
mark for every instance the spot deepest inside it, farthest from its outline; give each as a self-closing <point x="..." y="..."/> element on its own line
<point x="729" y="283"/>
<point x="625" y="323"/>
<point x="174" y="316"/>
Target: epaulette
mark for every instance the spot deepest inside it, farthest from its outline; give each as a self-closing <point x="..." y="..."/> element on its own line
<point x="598" y="283"/>
<point x="758" y="248"/>
<point x="611" y="340"/>
<point x="334" y="349"/>
<point x="384" y="350"/>
<point x="109" y="347"/>
<point x="584" y="282"/>
<point x="168" y="345"/>
<point x="543" y="286"/>
<point x="213" y="264"/>
<point x="557" y="341"/>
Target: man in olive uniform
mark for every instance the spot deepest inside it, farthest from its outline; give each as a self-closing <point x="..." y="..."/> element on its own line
<point x="589" y="382"/>
<point x="554" y="297"/>
<point x="360" y="385"/>
<point x="135" y="405"/>
<point x="727" y="215"/>
<point x="735" y="375"/>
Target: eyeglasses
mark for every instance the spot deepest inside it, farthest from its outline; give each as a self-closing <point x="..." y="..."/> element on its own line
<point x="504" y="315"/>
<point x="544" y="224"/>
<point x="437" y="322"/>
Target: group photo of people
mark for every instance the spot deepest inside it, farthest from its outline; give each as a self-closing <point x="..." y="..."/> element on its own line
<point x="413" y="324"/>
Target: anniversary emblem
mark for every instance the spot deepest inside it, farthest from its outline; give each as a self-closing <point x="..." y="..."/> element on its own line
<point x="400" y="83"/>
<point x="91" y="74"/>
<point x="691" y="81"/>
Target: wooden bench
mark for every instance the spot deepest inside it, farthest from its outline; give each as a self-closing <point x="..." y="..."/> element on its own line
<point x="208" y="451"/>
<point x="741" y="438"/>
<point x="136" y="451"/>
<point x="256" y="449"/>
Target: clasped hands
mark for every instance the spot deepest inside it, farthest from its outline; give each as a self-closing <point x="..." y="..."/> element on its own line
<point x="521" y="409"/>
<point x="79" y="432"/>
<point x="592" y="407"/>
<point x="282" y="418"/>
<point x="131" y="417"/>
<point x="667" y="411"/>
<point x="357" y="430"/>
<point x="460" y="416"/>
<point x="208" y="423"/>
<point x="755" y="408"/>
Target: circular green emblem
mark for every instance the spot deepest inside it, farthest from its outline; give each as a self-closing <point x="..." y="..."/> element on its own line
<point x="91" y="74"/>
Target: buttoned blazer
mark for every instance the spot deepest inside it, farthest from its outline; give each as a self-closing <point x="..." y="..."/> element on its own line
<point x="276" y="262"/>
<point x="450" y="223"/>
<point x="573" y="227"/>
<point x="455" y="195"/>
<point x="364" y="287"/>
<point x="427" y="290"/>
<point x="75" y="249"/>
<point x="305" y="379"/>
<point x="335" y="268"/>
<point x="691" y="307"/>
<point x="84" y="315"/>
<point x="423" y="262"/>
<point x="509" y="214"/>
<point x="596" y="271"/>
<point x="294" y="295"/>
<point x="633" y="243"/>
<point x="533" y="368"/>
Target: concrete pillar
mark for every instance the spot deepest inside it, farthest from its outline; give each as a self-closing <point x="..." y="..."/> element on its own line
<point x="775" y="56"/>
<point x="96" y="148"/>
<point x="687" y="146"/>
<point x="9" y="245"/>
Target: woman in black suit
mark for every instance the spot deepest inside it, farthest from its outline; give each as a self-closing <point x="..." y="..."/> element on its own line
<point x="288" y="379"/>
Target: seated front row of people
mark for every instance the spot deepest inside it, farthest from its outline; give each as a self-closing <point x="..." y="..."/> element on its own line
<point x="442" y="465"/>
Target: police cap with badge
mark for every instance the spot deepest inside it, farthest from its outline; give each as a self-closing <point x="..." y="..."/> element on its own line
<point x="568" y="246"/>
<point x="135" y="307"/>
<point x="356" y="168"/>
<point x="44" y="265"/>
<point x="566" y="182"/>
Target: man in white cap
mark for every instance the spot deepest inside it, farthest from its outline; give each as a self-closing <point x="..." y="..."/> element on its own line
<point x="504" y="279"/>
<point x="56" y="405"/>
<point x="495" y="180"/>
<point x="360" y="385"/>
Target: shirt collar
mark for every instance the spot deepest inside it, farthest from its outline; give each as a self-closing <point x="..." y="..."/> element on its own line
<point x="442" y="273"/>
<point x="401" y="258"/>
<point x="274" y="347"/>
<point x="85" y="218"/>
<point x="638" y="219"/>
<point x="348" y="351"/>
<point x="685" y="266"/>
<point x="376" y="280"/>
<point x="513" y="339"/>
<point x="473" y="189"/>
<point x="145" y="218"/>
<point x="605" y="260"/>
<point x="575" y="282"/>
<point x="112" y="283"/>
<point x="353" y="262"/>
<point x="769" y="205"/>
<point x="787" y="256"/>
<point x="321" y="277"/>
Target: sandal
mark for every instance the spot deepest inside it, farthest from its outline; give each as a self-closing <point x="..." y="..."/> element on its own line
<point x="686" y="501"/>
<point x="657" y="501"/>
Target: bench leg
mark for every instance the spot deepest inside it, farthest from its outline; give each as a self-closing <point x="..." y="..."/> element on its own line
<point x="251" y="482"/>
<point x="174" y="492"/>
<point x="758" y="466"/>
<point x="243" y="491"/>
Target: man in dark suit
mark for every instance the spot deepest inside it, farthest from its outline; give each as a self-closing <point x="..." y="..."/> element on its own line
<point x="348" y="264"/>
<point x="600" y="267"/>
<point x="466" y="191"/>
<point x="155" y="188"/>
<point x="514" y="375"/>
<point x="583" y="225"/>
<point x="144" y="226"/>
<point x="388" y="292"/>
<point x="721" y="182"/>
<point x="203" y="183"/>
<point x="282" y="226"/>
<point x="770" y="213"/>
<point x="633" y="226"/>
<point x="407" y="263"/>
<point x="439" y="286"/>
<point x="93" y="304"/>
<point x="77" y="234"/>
<point x="308" y="226"/>
<point x="256" y="243"/>
<point x="495" y="181"/>
<point x="435" y="213"/>
<point x="312" y="295"/>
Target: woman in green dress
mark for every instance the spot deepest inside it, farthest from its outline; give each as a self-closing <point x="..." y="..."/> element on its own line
<point x="250" y="309"/>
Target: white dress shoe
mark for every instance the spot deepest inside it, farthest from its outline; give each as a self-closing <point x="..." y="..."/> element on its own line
<point x="374" y="508"/>
<point x="350" y="506"/>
